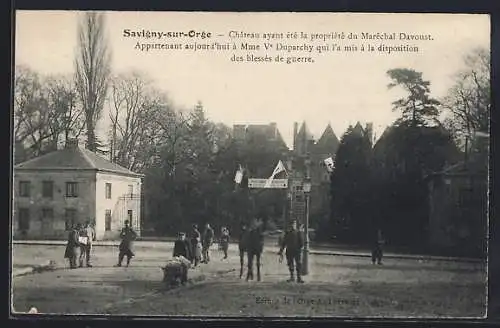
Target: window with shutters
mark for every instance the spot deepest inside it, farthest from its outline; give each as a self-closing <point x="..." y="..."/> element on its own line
<point x="24" y="188"/>
<point x="48" y="189"/>
<point x="108" y="190"/>
<point x="107" y="220"/>
<point x="71" y="189"/>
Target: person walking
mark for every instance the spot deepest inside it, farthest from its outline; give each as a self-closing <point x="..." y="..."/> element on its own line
<point x="377" y="251"/>
<point x="87" y="235"/>
<point x="128" y="235"/>
<point x="207" y="241"/>
<point x="224" y="241"/>
<point x="72" y="246"/>
<point x="293" y="242"/>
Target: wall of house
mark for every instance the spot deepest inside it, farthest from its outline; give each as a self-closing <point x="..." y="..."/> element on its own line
<point x="455" y="223"/>
<point x="440" y="200"/>
<point x="119" y="204"/>
<point x="52" y="228"/>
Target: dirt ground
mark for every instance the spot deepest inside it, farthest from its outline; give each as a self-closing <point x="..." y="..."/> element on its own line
<point x="336" y="286"/>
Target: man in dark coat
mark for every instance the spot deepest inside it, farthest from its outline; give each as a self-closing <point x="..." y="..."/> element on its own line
<point x="224" y="241"/>
<point x="293" y="242"/>
<point x="208" y="238"/>
<point x="182" y="246"/>
<point x="195" y="238"/>
<point x="377" y="252"/>
<point x="128" y="235"/>
<point x="72" y="246"/>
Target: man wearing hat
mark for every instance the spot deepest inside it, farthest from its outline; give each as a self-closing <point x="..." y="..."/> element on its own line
<point x="293" y="242"/>
<point x="73" y="245"/>
<point x="206" y="242"/>
<point x="195" y="240"/>
<point x="182" y="246"/>
<point x="128" y="235"/>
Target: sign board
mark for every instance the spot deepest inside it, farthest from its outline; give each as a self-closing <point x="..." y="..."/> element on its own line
<point x="261" y="183"/>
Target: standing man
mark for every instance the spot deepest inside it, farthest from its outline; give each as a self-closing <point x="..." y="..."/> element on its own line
<point x="293" y="242"/>
<point x="182" y="246"/>
<point x="72" y="246"/>
<point x="128" y="235"/>
<point x="224" y="241"/>
<point x="208" y="238"/>
<point x="195" y="238"/>
<point x="377" y="252"/>
<point x="88" y="232"/>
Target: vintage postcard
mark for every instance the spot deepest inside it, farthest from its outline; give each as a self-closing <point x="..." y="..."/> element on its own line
<point x="201" y="164"/>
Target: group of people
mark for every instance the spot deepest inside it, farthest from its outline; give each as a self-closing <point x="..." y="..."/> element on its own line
<point x="196" y="246"/>
<point x="81" y="237"/>
<point x="79" y="245"/>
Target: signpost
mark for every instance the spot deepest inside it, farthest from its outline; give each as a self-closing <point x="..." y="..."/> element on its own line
<point x="261" y="184"/>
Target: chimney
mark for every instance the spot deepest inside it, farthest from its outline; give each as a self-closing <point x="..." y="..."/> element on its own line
<point x="71" y="143"/>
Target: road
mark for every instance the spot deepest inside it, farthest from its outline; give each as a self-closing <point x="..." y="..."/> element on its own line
<point x="336" y="286"/>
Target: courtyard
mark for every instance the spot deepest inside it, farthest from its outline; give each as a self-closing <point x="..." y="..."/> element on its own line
<point x="336" y="286"/>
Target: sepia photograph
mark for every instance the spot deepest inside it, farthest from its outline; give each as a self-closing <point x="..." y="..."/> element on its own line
<point x="250" y="164"/>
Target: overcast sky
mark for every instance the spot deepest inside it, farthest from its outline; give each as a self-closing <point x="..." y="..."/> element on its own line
<point x="337" y="88"/>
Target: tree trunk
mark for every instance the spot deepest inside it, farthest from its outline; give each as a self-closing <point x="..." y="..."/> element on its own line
<point x="91" y="144"/>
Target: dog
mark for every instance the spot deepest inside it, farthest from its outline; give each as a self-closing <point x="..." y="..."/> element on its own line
<point x="175" y="272"/>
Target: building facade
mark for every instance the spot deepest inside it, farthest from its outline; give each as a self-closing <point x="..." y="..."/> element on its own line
<point x="270" y="132"/>
<point x="307" y="160"/>
<point x="458" y="209"/>
<point x="73" y="185"/>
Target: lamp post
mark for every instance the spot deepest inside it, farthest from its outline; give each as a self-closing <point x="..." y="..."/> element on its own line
<point x="305" y="255"/>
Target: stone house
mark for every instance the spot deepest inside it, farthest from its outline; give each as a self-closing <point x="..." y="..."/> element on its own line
<point x="73" y="185"/>
<point x="458" y="209"/>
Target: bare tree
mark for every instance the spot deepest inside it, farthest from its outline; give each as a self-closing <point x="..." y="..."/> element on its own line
<point x="31" y="114"/>
<point x="127" y="96"/>
<point x="46" y="110"/>
<point x="92" y="70"/>
<point x="66" y="113"/>
<point x="28" y="95"/>
<point x="468" y="102"/>
<point x="137" y="114"/>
